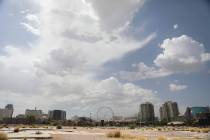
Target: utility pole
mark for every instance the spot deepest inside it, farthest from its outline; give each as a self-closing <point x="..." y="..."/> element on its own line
<point x="90" y="116"/>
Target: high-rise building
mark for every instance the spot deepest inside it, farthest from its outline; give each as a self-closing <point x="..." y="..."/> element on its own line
<point x="57" y="115"/>
<point x="146" y="112"/>
<point x="6" y="112"/>
<point x="9" y="110"/>
<point x="37" y="114"/>
<point x="169" y="111"/>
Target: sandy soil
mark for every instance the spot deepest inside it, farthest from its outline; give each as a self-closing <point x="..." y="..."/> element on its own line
<point x="68" y="133"/>
<point x="100" y="134"/>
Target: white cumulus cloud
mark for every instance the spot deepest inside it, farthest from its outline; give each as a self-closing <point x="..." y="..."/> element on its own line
<point x="180" y="55"/>
<point x="176" y="87"/>
<point x="115" y="14"/>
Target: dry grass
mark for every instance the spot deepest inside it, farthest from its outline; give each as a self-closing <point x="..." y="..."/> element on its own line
<point x="131" y="137"/>
<point x="34" y="126"/>
<point x="114" y="134"/>
<point x="3" y="136"/>
<point x="185" y="139"/>
<point x="162" y="138"/>
<point x="199" y="130"/>
<point x="205" y="130"/>
<point x="16" y="130"/>
<point x="127" y="136"/>
<point x="38" y="133"/>
<point x="117" y="134"/>
<point x="59" y="127"/>
<point x="141" y="138"/>
<point x="193" y="130"/>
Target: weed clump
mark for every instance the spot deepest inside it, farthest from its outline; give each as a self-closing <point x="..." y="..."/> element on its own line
<point x="59" y="127"/>
<point x="3" y="136"/>
<point x="16" y="130"/>
<point x="114" y="134"/>
<point x="162" y="138"/>
<point x="206" y="130"/>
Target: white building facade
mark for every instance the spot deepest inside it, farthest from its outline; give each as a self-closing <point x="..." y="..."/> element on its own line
<point x="37" y="114"/>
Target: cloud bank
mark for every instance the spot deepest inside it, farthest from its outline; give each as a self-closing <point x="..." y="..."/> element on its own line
<point x="60" y="69"/>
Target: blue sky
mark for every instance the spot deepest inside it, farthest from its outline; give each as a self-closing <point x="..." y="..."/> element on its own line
<point x="81" y="55"/>
<point x="192" y="18"/>
<point x="11" y="18"/>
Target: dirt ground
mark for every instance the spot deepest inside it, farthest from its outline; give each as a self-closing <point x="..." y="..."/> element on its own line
<point x="99" y="133"/>
<point x="148" y="134"/>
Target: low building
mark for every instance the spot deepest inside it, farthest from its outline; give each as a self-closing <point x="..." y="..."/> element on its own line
<point x="57" y="115"/>
<point x="45" y="116"/>
<point x="200" y="115"/>
<point x="21" y="116"/>
<point x="176" y="123"/>
<point x="199" y="110"/>
<point x="118" y="118"/>
<point x="37" y="114"/>
<point x="130" y="119"/>
<point x="192" y="112"/>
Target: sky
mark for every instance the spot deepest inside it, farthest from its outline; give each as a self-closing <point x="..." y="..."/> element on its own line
<point x="80" y="55"/>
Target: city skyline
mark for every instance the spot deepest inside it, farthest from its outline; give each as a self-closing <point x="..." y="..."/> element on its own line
<point x="168" y="111"/>
<point x="79" y="55"/>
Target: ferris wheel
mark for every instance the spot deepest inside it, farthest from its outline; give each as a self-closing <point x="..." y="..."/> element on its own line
<point x="105" y="113"/>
